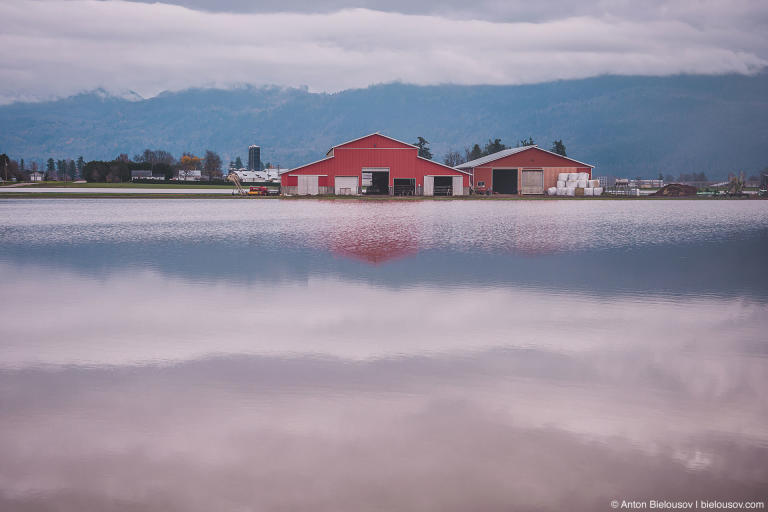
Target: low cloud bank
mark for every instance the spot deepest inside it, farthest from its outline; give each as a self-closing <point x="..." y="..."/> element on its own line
<point x="52" y="49"/>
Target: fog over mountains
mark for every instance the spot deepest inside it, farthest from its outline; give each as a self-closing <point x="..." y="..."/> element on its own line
<point x="634" y="126"/>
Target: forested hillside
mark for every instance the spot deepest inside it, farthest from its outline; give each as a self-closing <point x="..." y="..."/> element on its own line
<point x="635" y="126"/>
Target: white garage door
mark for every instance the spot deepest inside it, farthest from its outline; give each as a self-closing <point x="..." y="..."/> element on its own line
<point x="458" y="185"/>
<point x="307" y="185"/>
<point x="345" y="186"/>
<point x="429" y="185"/>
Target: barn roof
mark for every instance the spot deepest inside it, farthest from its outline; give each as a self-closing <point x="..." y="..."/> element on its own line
<point x="479" y="162"/>
<point x="370" y="135"/>
<point x="329" y="156"/>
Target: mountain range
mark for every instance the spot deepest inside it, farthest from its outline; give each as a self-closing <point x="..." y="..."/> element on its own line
<point x="624" y="125"/>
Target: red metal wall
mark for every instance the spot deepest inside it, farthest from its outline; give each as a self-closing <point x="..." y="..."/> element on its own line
<point x="349" y="160"/>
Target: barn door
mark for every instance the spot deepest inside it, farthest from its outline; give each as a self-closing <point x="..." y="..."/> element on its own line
<point x="533" y="182"/>
<point x="458" y="185"/>
<point x="346" y="186"/>
<point x="429" y="185"/>
<point x="307" y="185"/>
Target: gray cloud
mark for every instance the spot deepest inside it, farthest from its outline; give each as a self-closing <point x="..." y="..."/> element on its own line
<point x="59" y="48"/>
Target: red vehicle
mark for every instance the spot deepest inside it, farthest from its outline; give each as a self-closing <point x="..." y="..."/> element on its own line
<point x="258" y="191"/>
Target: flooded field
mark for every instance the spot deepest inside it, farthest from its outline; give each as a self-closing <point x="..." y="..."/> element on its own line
<point x="204" y="355"/>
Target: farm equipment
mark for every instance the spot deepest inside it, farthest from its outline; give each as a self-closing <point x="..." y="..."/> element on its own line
<point x="735" y="187"/>
<point x="258" y="191"/>
<point x="237" y="188"/>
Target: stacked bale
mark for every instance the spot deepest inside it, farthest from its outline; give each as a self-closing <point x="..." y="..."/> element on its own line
<point x="575" y="184"/>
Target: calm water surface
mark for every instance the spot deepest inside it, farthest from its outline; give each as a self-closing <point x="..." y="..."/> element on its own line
<point x="206" y="355"/>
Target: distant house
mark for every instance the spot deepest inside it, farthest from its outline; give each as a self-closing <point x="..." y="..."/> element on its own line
<point x="146" y="174"/>
<point x="189" y="175"/>
<point x="36" y="176"/>
<point x="271" y="173"/>
<point x="247" y="176"/>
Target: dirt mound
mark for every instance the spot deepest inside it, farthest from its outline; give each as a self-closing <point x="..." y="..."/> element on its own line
<point x="676" y="190"/>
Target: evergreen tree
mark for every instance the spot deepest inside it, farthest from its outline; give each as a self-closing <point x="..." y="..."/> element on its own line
<point x="423" y="145"/>
<point x="61" y="169"/>
<point x="80" y="165"/>
<point x="558" y="147"/>
<point x="524" y="142"/>
<point x="238" y="163"/>
<point x="21" y="165"/>
<point x="71" y="169"/>
<point x="475" y="153"/>
<point x="493" y="146"/>
<point x="4" y="161"/>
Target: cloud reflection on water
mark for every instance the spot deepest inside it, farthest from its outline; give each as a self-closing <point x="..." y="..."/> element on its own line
<point x="527" y="430"/>
<point x="217" y="363"/>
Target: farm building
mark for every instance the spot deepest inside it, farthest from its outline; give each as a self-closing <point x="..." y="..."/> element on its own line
<point x="523" y="170"/>
<point x="375" y="165"/>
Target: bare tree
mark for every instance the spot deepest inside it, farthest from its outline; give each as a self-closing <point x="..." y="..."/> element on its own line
<point x="453" y="158"/>
<point x="212" y="164"/>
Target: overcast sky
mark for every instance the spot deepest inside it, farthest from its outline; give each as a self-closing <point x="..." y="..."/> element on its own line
<point x="60" y="47"/>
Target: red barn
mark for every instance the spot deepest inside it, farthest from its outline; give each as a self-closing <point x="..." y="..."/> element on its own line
<point x="375" y="165"/>
<point x="523" y="170"/>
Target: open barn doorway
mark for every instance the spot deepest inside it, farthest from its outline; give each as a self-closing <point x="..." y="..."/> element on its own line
<point x="443" y="185"/>
<point x="404" y="186"/>
<point x="504" y="181"/>
<point x="375" y="182"/>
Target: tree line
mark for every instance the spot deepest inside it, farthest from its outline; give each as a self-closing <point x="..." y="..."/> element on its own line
<point x="117" y="170"/>
<point x="454" y="158"/>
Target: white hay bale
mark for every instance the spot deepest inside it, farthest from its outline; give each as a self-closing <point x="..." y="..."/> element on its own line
<point x="563" y="176"/>
<point x="562" y="191"/>
<point x="570" y="191"/>
<point x="560" y="183"/>
<point x="582" y="183"/>
<point x="597" y="191"/>
<point x="583" y="175"/>
<point x="551" y="191"/>
<point x="573" y="176"/>
<point x="588" y="191"/>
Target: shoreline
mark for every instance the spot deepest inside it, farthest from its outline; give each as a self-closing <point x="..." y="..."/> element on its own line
<point x="203" y="195"/>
